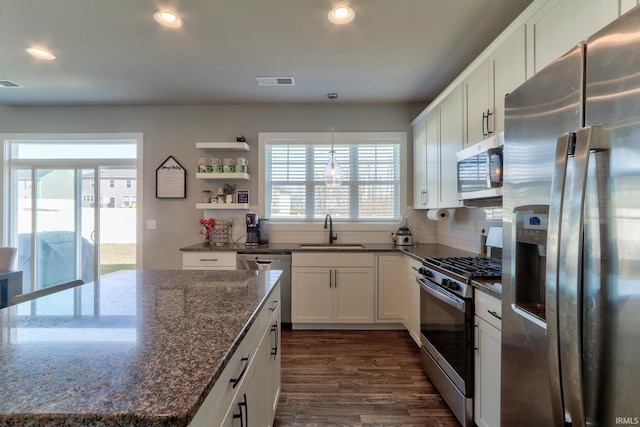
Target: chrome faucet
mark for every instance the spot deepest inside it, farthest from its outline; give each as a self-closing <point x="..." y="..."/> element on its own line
<point x="332" y="237"/>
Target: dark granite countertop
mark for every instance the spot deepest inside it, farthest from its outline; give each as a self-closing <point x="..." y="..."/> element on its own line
<point x="418" y="252"/>
<point x="145" y="350"/>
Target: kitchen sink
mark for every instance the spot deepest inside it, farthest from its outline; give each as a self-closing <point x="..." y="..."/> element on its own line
<point x="326" y="246"/>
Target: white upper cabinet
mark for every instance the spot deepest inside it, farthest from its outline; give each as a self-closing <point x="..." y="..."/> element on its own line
<point x="559" y="25"/>
<point x="472" y="107"/>
<point x="508" y="70"/>
<point x="451" y="141"/>
<point x="486" y="86"/>
<point x="438" y="136"/>
<point x="432" y="153"/>
<point x="420" y="165"/>
<point x="478" y="108"/>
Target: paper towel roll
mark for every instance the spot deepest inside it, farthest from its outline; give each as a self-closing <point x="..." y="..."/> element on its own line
<point x="438" y="215"/>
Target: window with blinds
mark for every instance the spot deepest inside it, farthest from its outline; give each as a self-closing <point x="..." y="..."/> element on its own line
<point x="295" y="188"/>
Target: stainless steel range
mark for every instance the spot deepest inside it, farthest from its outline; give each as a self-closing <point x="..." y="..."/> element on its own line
<point x="446" y="325"/>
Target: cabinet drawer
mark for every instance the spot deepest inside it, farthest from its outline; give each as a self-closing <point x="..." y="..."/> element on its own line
<point x="209" y="260"/>
<point x="488" y="308"/>
<point x="329" y="259"/>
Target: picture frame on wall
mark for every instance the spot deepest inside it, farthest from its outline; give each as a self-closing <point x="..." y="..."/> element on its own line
<point x="171" y="180"/>
<point x="242" y="196"/>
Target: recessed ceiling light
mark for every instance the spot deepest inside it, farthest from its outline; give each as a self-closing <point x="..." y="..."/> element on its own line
<point x="40" y="53"/>
<point x="168" y="19"/>
<point x="341" y="15"/>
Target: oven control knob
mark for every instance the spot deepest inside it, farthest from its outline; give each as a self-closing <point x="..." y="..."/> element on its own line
<point x="453" y="286"/>
<point x="425" y="272"/>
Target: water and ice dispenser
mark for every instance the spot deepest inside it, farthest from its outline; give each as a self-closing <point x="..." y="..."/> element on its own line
<point x="531" y="258"/>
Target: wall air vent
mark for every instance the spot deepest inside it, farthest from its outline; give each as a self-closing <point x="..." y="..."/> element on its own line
<point x="8" y="83"/>
<point x="276" y="81"/>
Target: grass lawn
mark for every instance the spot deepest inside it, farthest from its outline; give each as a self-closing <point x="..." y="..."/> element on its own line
<point x="114" y="257"/>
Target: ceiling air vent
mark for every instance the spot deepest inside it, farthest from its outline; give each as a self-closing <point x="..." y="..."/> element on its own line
<point x="276" y="81"/>
<point x="8" y="83"/>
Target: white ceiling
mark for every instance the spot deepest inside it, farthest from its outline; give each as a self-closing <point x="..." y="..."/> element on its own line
<point x="113" y="52"/>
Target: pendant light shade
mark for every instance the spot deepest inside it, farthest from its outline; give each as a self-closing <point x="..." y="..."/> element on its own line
<point x="333" y="171"/>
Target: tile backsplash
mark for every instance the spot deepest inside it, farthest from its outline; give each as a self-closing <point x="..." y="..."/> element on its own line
<point x="466" y="225"/>
<point x="462" y="230"/>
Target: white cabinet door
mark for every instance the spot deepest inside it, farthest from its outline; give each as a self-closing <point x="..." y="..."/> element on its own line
<point x="451" y="138"/>
<point x="332" y="295"/>
<point x="561" y="24"/>
<point x="267" y="374"/>
<point x="433" y="154"/>
<point x="477" y="104"/>
<point x="420" y="165"/>
<point x="414" y="300"/>
<point x="392" y="289"/>
<point x="354" y="295"/>
<point x="508" y="71"/>
<point x="486" y="398"/>
<point x="275" y="365"/>
<point x="243" y="408"/>
<point x="311" y="295"/>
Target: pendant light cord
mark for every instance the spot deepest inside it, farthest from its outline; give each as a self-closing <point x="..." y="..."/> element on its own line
<point x="332" y="97"/>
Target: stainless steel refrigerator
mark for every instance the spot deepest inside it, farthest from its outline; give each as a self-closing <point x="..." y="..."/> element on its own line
<point x="571" y="257"/>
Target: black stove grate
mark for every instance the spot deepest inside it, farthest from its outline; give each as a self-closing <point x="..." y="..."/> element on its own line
<point x="469" y="267"/>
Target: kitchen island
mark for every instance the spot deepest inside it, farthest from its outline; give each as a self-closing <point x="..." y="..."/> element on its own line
<point x="139" y="348"/>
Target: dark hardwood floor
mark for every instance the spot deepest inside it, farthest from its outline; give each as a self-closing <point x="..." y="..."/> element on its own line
<point x="356" y="378"/>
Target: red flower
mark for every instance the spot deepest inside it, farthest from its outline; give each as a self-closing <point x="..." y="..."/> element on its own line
<point x="208" y="224"/>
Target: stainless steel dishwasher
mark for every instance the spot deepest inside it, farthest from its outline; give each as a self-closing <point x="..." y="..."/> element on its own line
<point x="272" y="261"/>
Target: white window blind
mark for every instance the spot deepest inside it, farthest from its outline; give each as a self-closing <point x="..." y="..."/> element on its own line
<point x="295" y="188"/>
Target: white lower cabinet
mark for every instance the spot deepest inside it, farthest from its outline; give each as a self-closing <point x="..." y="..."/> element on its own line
<point x="413" y="302"/>
<point x="242" y="411"/>
<point x="332" y="287"/>
<point x="392" y="290"/>
<point x="249" y="386"/>
<point x="486" y="399"/>
<point x="268" y="374"/>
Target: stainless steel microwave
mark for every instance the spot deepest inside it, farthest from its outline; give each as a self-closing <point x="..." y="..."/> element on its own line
<point x="480" y="170"/>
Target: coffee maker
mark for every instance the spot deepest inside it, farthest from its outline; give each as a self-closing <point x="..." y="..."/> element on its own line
<point x="253" y="229"/>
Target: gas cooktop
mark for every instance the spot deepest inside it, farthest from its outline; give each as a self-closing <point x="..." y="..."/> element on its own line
<point x="469" y="267"/>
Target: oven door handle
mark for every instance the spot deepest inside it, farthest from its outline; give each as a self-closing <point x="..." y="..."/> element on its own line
<point x="450" y="300"/>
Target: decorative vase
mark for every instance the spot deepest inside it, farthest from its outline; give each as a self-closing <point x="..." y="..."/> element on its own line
<point x="207" y="242"/>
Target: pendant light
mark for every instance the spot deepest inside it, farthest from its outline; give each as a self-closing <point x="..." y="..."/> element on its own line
<point x="333" y="171"/>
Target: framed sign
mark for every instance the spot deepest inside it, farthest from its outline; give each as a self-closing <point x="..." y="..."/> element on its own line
<point x="242" y="196"/>
<point x="171" y="180"/>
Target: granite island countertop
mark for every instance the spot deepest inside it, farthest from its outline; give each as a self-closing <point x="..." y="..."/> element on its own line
<point x="136" y="348"/>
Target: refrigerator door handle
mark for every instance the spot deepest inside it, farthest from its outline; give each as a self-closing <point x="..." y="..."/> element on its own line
<point x="588" y="139"/>
<point x="564" y="149"/>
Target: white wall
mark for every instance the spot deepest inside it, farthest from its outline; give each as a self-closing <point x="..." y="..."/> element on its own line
<point x="174" y="130"/>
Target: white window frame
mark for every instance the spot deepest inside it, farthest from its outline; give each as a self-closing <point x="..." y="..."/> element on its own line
<point x="343" y="137"/>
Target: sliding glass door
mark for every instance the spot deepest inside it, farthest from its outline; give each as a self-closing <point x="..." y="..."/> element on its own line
<point x="69" y="201"/>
